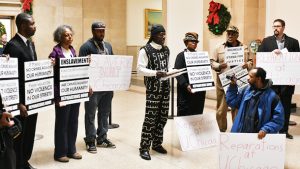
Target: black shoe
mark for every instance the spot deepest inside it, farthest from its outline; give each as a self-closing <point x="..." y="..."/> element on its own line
<point x="160" y="149"/>
<point x="289" y="136"/>
<point x="91" y="147"/>
<point x="145" y="154"/>
<point x="29" y="166"/>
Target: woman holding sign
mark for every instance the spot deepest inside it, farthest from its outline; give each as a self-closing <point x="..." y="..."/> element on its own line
<point x="66" y="116"/>
<point x="188" y="103"/>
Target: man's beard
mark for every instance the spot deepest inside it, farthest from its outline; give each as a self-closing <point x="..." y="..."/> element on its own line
<point x="276" y="33"/>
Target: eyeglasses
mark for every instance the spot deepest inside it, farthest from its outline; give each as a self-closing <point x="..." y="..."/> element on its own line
<point x="276" y="26"/>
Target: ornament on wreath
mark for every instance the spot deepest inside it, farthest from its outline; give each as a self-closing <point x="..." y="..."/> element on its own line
<point x="218" y="18"/>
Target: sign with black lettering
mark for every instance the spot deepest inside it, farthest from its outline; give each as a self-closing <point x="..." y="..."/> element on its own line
<point x="199" y="71"/>
<point x="38" y="70"/>
<point x="110" y="72"/>
<point x="234" y="56"/>
<point x="9" y="84"/>
<point x="239" y="73"/>
<point x="74" y="80"/>
<point x="197" y="131"/>
<point x="245" y="150"/>
<point x="39" y="86"/>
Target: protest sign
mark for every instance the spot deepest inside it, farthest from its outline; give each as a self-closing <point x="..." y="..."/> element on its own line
<point x="234" y="56"/>
<point x="9" y="84"/>
<point x="110" y="72"/>
<point x="74" y="80"/>
<point x="283" y="69"/>
<point x="239" y="73"/>
<point x="197" y="131"/>
<point x="245" y="150"/>
<point x="39" y="85"/>
<point x="199" y="71"/>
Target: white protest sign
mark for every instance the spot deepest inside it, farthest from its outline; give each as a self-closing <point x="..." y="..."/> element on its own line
<point x="234" y="55"/>
<point x="74" y="87"/>
<point x="245" y="150"/>
<point x="9" y="84"/>
<point x="38" y="91"/>
<point x="110" y="72"/>
<point x="8" y="68"/>
<point x="283" y="69"/>
<point x="38" y="69"/>
<point x="197" y="131"/>
<point x="239" y="72"/>
<point x="9" y="90"/>
<point x="199" y="71"/>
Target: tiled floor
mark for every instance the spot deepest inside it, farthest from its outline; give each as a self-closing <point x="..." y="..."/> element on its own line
<point x="128" y="112"/>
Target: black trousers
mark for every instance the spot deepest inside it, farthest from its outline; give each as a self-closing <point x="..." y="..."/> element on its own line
<point x="7" y="152"/>
<point x="66" y="126"/>
<point x="156" y="116"/>
<point x="23" y="144"/>
<point x="286" y="101"/>
<point x="189" y="103"/>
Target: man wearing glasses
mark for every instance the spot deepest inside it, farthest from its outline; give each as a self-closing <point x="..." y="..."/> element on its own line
<point x="276" y="43"/>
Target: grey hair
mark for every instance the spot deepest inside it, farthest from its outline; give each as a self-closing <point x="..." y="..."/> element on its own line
<point x="57" y="34"/>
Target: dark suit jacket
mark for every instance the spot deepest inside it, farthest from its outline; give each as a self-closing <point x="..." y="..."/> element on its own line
<point x="16" y="48"/>
<point x="292" y="45"/>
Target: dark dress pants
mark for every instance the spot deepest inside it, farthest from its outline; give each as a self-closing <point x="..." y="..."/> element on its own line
<point x="7" y="152"/>
<point x="23" y="144"/>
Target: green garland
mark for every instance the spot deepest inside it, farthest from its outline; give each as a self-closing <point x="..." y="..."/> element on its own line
<point x="2" y="29"/>
<point x="225" y="17"/>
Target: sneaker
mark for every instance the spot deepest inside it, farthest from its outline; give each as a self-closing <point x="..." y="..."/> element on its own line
<point x="106" y="144"/>
<point x="91" y="147"/>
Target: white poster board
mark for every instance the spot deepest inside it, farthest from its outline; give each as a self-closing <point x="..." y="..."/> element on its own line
<point x="39" y="86"/>
<point x="199" y="71"/>
<point x="239" y="72"/>
<point x="245" y="150"/>
<point x="197" y="131"/>
<point x="283" y="69"/>
<point x="110" y="72"/>
<point x="234" y="56"/>
<point x="9" y="84"/>
<point x="74" y="80"/>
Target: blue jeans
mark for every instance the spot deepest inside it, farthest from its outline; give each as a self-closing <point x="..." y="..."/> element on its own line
<point x="100" y="101"/>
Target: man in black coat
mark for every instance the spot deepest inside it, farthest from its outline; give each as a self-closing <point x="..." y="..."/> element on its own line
<point x="21" y="47"/>
<point x="275" y="44"/>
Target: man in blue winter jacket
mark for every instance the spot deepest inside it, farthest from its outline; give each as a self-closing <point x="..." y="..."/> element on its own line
<point x="259" y="107"/>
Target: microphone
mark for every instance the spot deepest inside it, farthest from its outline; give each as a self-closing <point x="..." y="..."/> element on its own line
<point x="233" y="76"/>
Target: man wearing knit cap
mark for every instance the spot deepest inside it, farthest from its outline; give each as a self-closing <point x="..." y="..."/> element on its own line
<point x="188" y="103"/>
<point x="153" y="63"/>
<point x="219" y="65"/>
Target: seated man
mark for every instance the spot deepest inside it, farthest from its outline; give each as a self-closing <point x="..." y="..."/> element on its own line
<point x="259" y="107"/>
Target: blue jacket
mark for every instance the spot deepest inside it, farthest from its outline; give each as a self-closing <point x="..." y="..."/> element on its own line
<point x="270" y="109"/>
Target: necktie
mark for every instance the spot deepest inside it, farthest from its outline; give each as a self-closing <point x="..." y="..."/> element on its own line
<point x="29" y="45"/>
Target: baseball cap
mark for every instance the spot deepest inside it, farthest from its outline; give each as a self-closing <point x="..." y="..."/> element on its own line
<point x="98" y="25"/>
<point x="233" y="29"/>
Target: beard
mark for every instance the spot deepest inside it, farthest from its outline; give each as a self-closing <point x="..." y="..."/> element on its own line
<point x="276" y="33"/>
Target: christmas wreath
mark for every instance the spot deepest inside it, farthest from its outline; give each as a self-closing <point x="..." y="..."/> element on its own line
<point x="27" y="6"/>
<point x="218" y="18"/>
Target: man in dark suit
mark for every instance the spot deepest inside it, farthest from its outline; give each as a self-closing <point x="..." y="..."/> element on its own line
<point x="21" y="47"/>
<point x="276" y="43"/>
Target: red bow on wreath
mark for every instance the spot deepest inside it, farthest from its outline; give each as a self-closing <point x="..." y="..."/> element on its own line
<point x="26" y="5"/>
<point x="213" y="13"/>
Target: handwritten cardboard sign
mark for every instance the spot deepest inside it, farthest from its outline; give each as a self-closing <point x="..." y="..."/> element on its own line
<point x="197" y="131"/>
<point x="245" y="150"/>
<point x="283" y="69"/>
<point x="110" y="72"/>
<point x="199" y="71"/>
